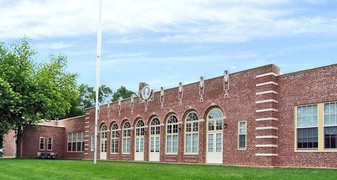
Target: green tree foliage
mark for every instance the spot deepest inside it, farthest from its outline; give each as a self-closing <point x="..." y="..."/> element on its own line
<point x="31" y="92"/>
<point x="88" y="95"/>
<point x="122" y="92"/>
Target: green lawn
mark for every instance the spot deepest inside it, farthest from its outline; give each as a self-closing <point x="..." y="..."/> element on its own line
<point x="76" y="169"/>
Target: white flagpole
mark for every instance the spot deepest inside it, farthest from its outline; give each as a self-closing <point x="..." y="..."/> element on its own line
<point x="98" y="66"/>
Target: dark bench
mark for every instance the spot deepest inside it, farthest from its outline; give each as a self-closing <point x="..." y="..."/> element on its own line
<point x="46" y="155"/>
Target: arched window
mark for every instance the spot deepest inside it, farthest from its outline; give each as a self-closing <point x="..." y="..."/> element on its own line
<point x="214" y="130"/>
<point x="172" y="135"/>
<point x="140" y="132"/>
<point x="215" y="117"/>
<point x="114" y="138"/>
<point x="192" y="133"/>
<point x="104" y="138"/>
<point x="155" y="135"/>
<point x="140" y="128"/>
<point x="126" y="137"/>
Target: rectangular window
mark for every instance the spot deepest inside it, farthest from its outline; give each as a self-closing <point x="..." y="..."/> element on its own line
<point x="49" y="143"/>
<point x="126" y="140"/>
<point x="41" y="144"/>
<point x="307" y="127"/>
<point x="242" y="135"/>
<point x="76" y="142"/>
<point x="330" y="125"/>
<point x="92" y="143"/>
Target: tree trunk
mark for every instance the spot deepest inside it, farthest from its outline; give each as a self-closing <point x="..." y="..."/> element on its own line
<point x="18" y="142"/>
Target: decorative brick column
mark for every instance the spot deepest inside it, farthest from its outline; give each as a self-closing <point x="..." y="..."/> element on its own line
<point x="266" y="136"/>
<point x="87" y="137"/>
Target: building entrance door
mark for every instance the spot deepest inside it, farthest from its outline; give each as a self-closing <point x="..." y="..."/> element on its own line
<point x="214" y="137"/>
<point x="104" y="142"/>
<point x="139" y="141"/>
<point x="154" y="140"/>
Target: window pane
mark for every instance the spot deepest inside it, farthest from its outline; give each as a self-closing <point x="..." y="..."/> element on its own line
<point x="210" y="143"/>
<point x="152" y="144"/>
<point x="175" y="143"/>
<point x="157" y="144"/>
<point x="188" y="143"/>
<point x="330" y="137"/>
<point x="307" y="116"/>
<point x="307" y="138"/>
<point x="168" y="144"/>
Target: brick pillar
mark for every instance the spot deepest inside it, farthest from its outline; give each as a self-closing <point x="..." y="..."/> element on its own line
<point x="266" y="136"/>
<point x="87" y="138"/>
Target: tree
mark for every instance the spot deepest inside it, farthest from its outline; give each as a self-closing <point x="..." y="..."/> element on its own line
<point x="31" y="92"/>
<point x="122" y="92"/>
<point x="88" y="95"/>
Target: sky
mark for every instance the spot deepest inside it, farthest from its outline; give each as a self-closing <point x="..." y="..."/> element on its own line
<point x="164" y="42"/>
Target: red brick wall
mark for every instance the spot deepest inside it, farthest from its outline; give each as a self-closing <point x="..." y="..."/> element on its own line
<point x="72" y="125"/>
<point x="239" y="106"/>
<point x="305" y="87"/>
<point x="9" y="144"/>
<point x="31" y="140"/>
<point x="58" y="131"/>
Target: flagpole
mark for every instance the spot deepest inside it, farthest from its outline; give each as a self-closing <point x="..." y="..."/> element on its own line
<point x="98" y="66"/>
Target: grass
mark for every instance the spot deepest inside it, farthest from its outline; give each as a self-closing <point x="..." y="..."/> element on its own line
<point x="76" y="169"/>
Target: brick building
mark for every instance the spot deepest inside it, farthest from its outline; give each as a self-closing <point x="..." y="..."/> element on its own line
<point x="257" y="117"/>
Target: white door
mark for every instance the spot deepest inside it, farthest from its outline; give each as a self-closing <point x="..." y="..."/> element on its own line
<point x="155" y="140"/>
<point x="214" y="137"/>
<point x="104" y="142"/>
<point x="139" y="141"/>
<point x="214" y="148"/>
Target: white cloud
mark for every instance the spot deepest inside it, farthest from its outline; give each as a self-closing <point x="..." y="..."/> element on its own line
<point x="53" y="45"/>
<point x="172" y="20"/>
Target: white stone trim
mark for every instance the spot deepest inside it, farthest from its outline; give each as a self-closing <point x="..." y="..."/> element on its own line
<point x="266" y="128"/>
<point x="87" y="118"/>
<point x="266" y="110"/>
<point x="266" y="137"/>
<point x="266" y="74"/>
<point x="266" y="146"/>
<point x="266" y="92"/>
<point x="265" y="154"/>
<point x="86" y="131"/>
<point x="86" y="122"/>
<point x="201" y="120"/>
<point x="86" y="140"/>
<point x="267" y="119"/>
<point x="86" y="135"/>
<point x="86" y="149"/>
<point x="86" y="127"/>
<point x="86" y="153"/>
<point x="266" y="101"/>
<point x="266" y="83"/>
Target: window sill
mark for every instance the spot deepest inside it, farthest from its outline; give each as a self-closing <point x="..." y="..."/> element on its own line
<point x="316" y="150"/>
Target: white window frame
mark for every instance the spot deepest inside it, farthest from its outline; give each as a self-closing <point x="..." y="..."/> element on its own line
<point x="49" y="142"/>
<point x="189" y="121"/>
<point x="174" y="127"/>
<point x="126" y="138"/>
<point x="114" y="139"/>
<point x="104" y="136"/>
<point x="42" y="142"/>
<point x="139" y="132"/>
<point x="92" y="143"/>
<point x="242" y="134"/>
<point x="76" y="138"/>
<point x="154" y="128"/>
